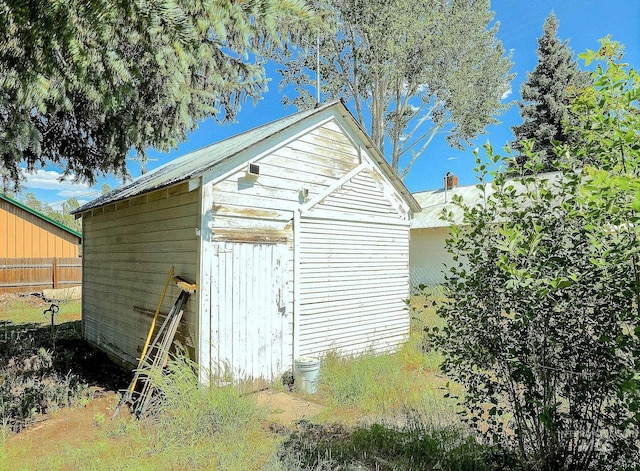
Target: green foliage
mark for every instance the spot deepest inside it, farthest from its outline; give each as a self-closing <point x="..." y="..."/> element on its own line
<point x="541" y="325"/>
<point x="609" y="123"/>
<point x="63" y="216"/>
<point x="85" y="81"/>
<point x="546" y="105"/>
<point x="419" y="67"/>
<point x="415" y="445"/>
<point x="543" y="318"/>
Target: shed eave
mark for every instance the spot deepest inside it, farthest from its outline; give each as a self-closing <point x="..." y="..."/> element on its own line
<point x="246" y="145"/>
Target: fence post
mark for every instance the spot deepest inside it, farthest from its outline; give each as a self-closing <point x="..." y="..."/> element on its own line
<point x="55" y="273"/>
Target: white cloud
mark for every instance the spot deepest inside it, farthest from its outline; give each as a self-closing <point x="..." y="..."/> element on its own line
<point x="49" y="187"/>
<point x="506" y="94"/>
<point x="453" y="158"/>
<point x="50" y="180"/>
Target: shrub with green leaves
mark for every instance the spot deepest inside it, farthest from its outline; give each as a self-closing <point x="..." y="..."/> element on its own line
<point x="541" y="312"/>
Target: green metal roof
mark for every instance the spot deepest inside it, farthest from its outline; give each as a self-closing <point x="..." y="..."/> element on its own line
<point x="40" y="215"/>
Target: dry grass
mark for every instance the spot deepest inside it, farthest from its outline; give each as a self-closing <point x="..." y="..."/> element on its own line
<point x="388" y="389"/>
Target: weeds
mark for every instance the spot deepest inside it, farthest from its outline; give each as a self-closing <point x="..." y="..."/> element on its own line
<point x="30" y="386"/>
<point x="379" y="447"/>
<point x="403" y="421"/>
<point x="35" y="378"/>
<point x="186" y="408"/>
<point x="382" y="385"/>
<point x="196" y="425"/>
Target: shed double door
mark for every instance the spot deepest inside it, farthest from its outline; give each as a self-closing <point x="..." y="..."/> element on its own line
<point x="250" y="308"/>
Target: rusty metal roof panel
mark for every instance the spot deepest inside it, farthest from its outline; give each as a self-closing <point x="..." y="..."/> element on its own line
<point x="197" y="162"/>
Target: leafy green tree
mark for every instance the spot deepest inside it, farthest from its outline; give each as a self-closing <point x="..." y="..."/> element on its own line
<point x="609" y="125"/>
<point x="63" y="216"/>
<point x="105" y="188"/>
<point x="543" y="321"/>
<point x="85" y="81"/>
<point x="418" y="67"/>
<point x="546" y="99"/>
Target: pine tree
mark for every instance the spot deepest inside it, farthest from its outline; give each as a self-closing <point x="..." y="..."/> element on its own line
<point x="83" y="82"/>
<point x="546" y="96"/>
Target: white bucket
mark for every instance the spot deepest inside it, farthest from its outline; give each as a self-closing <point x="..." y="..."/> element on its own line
<point x="305" y="374"/>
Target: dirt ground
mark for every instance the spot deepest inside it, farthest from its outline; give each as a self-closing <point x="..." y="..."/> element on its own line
<point x="79" y="424"/>
<point x="286" y="408"/>
<point x="76" y="425"/>
<point x="66" y="427"/>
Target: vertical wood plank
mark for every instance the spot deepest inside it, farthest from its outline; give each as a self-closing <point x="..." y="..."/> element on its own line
<point x="54" y="271"/>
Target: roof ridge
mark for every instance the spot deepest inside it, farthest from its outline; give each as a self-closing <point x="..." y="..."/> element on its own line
<point x="40" y="215"/>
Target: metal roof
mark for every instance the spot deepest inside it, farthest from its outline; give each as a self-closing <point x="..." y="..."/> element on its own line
<point x="434" y="201"/>
<point x="196" y="163"/>
<point x="41" y="216"/>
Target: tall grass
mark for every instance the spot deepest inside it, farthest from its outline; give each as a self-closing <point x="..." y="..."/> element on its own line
<point x="416" y="445"/>
<point x="190" y="426"/>
<point x="382" y="412"/>
<point x="383" y="385"/>
<point x="399" y="416"/>
<point x="211" y="426"/>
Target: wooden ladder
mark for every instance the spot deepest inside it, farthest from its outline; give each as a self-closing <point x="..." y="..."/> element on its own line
<point x="156" y="354"/>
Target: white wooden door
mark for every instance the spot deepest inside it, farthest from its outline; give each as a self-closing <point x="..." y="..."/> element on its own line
<point x="251" y="328"/>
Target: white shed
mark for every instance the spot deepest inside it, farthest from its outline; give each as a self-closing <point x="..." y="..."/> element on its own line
<point x="296" y="233"/>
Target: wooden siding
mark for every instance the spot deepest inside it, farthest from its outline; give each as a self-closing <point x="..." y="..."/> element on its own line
<point x="25" y="235"/>
<point x="250" y="327"/>
<point x="363" y="195"/>
<point x="312" y="252"/>
<point x="36" y="274"/>
<point x="240" y="211"/>
<point x="354" y="271"/>
<point x="128" y="250"/>
<point x="428" y="256"/>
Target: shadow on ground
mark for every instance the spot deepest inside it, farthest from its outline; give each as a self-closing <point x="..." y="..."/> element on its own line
<point x="69" y="352"/>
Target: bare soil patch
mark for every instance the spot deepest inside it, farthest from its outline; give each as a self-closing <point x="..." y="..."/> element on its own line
<point x="286" y="408"/>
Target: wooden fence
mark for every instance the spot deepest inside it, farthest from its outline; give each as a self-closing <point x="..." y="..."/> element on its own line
<point x="35" y="274"/>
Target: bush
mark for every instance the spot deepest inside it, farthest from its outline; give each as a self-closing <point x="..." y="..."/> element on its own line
<point x="30" y="386"/>
<point x="542" y="317"/>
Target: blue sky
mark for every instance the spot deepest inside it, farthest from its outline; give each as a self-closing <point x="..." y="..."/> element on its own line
<point x="582" y="22"/>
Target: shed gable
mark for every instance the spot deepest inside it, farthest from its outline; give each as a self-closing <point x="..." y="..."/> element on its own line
<point x="364" y="194"/>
